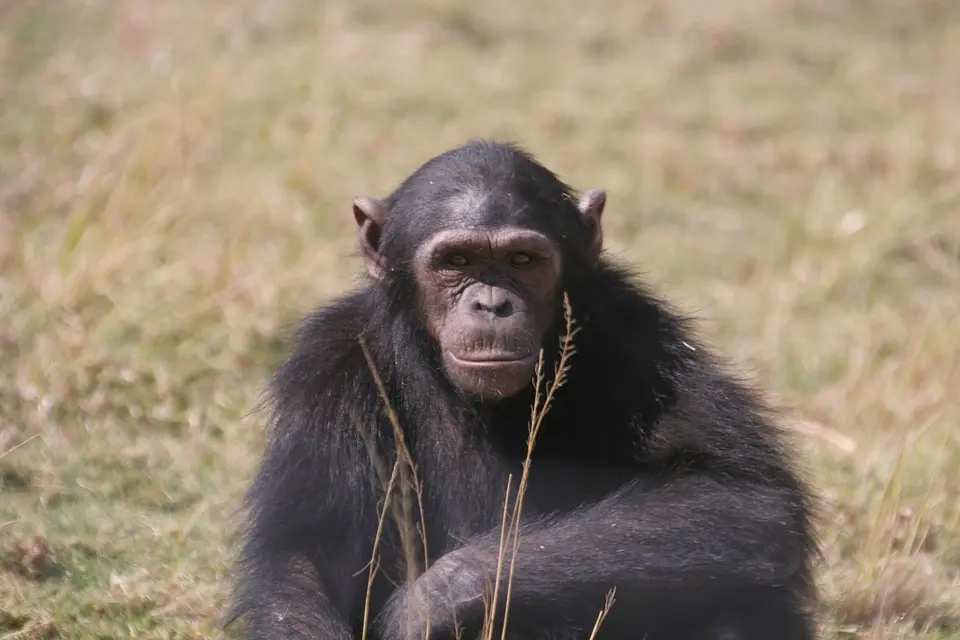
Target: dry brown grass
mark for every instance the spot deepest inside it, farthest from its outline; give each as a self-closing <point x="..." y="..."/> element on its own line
<point x="175" y="181"/>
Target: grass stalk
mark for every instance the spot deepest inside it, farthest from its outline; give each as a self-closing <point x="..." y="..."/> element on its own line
<point x="540" y="407"/>
<point x="408" y="481"/>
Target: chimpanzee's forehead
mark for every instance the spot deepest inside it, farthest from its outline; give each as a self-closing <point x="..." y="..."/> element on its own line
<point x="482" y="186"/>
<point x="478" y="206"/>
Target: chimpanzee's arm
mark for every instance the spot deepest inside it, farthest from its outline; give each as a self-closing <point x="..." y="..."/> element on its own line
<point x="691" y="533"/>
<point x="308" y="510"/>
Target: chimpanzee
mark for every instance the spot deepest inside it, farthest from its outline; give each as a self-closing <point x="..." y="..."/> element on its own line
<point x="655" y="471"/>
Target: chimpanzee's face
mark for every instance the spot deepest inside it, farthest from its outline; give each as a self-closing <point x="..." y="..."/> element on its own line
<point x="483" y="243"/>
<point x="488" y="297"/>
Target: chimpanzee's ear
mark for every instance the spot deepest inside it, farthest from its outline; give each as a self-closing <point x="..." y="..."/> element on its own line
<point x="370" y="214"/>
<point x="591" y="206"/>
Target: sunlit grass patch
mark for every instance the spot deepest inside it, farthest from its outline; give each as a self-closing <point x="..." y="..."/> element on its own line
<point x="175" y="181"/>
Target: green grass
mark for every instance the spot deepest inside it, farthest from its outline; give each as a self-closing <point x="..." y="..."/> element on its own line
<point x="175" y="184"/>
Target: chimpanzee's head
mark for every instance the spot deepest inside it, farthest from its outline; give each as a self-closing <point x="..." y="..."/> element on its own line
<point x="487" y="235"/>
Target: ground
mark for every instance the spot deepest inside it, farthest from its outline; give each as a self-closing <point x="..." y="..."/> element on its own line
<point x="175" y="188"/>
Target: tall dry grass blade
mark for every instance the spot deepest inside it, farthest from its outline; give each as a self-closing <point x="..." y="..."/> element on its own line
<point x="538" y="413"/>
<point x="607" y="604"/>
<point x="4" y="454"/>
<point x="878" y="539"/>
<point x="387" y="484"/>
<point x="374" y="559"/>
<point x="488" y="621"/>
<point x="409" y="481"/>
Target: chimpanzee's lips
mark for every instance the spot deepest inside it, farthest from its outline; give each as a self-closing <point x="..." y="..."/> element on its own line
<point x="491" y="358"/>
<point x="493" y="375"/>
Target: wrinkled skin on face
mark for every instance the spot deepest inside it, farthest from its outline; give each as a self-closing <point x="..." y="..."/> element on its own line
<point x="488" y="297"/>
<point x="488" y="294"/>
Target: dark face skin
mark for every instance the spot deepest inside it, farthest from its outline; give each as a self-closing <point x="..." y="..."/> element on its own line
<point x="488" y="295"/>
<point x="488" y="299"/>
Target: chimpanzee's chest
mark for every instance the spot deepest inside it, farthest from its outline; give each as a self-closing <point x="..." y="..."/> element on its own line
<point x="475" y="504"/>
<point x="556" y="485"/>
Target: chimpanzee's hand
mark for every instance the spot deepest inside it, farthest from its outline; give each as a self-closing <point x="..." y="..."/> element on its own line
<point x="449" y="595"/>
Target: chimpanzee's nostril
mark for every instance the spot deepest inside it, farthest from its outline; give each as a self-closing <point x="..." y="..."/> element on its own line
<point x="493" y="301"/>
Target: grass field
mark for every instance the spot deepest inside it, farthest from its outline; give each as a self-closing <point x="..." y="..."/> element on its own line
<point x="175" y="188"/>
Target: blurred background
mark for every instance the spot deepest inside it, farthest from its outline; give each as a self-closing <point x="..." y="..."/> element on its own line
<point x="175" y="189"/>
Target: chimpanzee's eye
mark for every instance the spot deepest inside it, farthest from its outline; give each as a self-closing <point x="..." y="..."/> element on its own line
<point x="457" y="260"/>
<point x="521" y="259"/>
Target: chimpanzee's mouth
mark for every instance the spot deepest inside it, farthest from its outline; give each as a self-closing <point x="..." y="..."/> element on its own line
<point x="492" y="375"/>
<point x="491" y="358"/>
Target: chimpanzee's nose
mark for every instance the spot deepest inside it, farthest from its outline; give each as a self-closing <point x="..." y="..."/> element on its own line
<point x="493" y="300"/>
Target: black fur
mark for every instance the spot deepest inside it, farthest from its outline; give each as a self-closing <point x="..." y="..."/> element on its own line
<point x="655" y="472"/>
